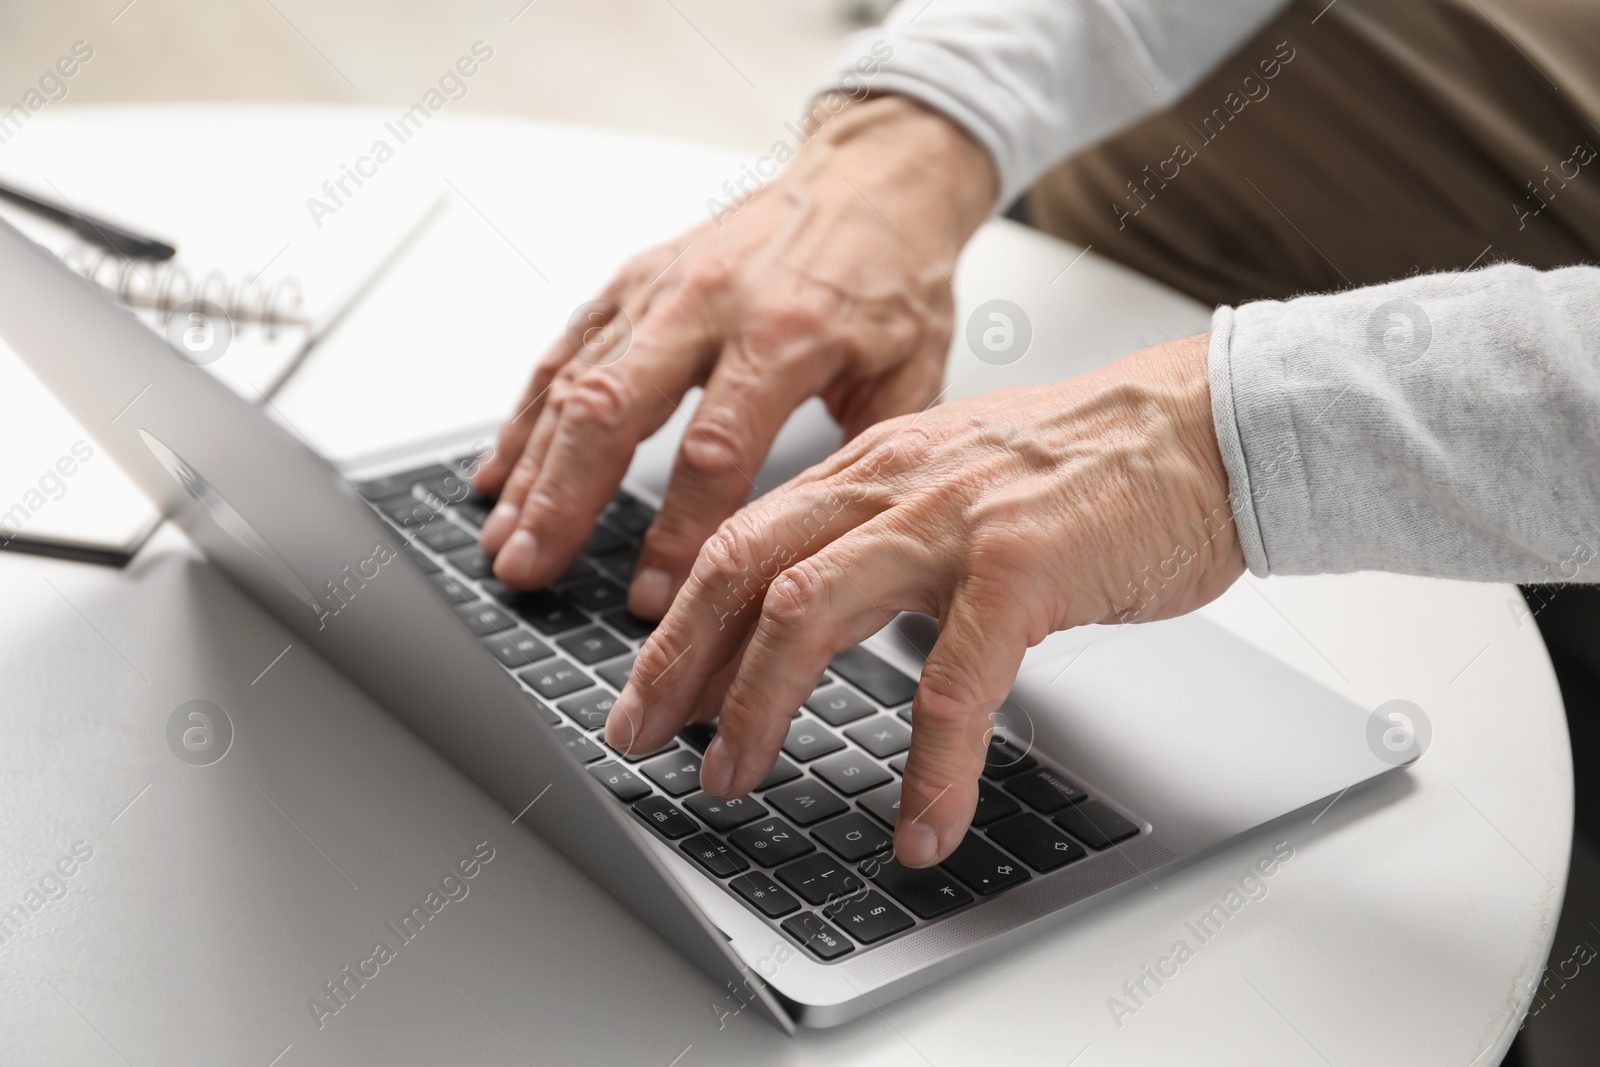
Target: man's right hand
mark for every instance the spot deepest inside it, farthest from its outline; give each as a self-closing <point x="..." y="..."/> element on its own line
<point x="832" y="281"/>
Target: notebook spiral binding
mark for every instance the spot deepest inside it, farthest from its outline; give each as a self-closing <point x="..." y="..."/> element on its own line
<point x="160" y="288"/>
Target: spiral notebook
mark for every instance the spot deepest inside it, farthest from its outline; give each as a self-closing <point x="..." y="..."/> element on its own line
<point x="59" y="495"/>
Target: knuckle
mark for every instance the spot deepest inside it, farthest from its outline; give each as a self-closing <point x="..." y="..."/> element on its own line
<point x="598" y="400"/>
<point x="903" y="448"/>
<point x="712" y="448"/>
<point x="792" y="599"/>
<point x="779" y="320"/>
<point x="946" y="699"/>
<point x="707" y="278"/>
<point x="728" y="552"/>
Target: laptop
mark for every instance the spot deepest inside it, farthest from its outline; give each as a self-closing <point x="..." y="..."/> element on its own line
<point x="1135" y="749"/>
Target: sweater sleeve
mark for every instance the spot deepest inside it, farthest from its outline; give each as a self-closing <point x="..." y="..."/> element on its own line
<point x="1445" y="425"/>
<point x="1036" y="80"/>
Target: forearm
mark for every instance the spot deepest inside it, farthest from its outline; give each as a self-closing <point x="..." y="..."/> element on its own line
<point x="1035" y="80"/>
<point x="1447" y="425"/>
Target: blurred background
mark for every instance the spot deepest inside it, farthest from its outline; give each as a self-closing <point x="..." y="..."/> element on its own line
<point x="719" y="71"/>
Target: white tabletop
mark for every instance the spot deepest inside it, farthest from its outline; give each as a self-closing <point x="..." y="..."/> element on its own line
<point x="1408" y="928"/>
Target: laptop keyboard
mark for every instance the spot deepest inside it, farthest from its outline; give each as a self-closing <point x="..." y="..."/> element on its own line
<point x="811" y="849"/>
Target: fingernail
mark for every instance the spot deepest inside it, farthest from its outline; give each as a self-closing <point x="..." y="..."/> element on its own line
<point x="498" y="524"/>
<point x="651" y="594"/>
<point x="716" y="768"/>
<point x="622" y="724"/>
<point x="915" y="844"/>
<point x="515" y="560"/>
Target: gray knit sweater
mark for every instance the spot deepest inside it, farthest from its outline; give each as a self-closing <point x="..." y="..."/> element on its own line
<point x="1444" y="425"/>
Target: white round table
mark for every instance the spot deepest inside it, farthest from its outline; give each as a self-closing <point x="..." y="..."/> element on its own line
<point x="1409" y="928"/>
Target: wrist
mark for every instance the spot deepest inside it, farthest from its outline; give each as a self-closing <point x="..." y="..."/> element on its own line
<point x="924" y="164"/>
<point x="1189" y="369"/>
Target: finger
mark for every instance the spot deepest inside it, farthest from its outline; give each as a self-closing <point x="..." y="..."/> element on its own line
<point x="966" y="677"/>
<point x="709" y="621"/>
<point x="599" y="421"/>
<point x="817" y="608"/>
<point x="502" y="521"/>
<point x="709" y="706"/>
<point x="728" y="437"/>
<point x="491" y="475"/>
<point x="629" y="291"/>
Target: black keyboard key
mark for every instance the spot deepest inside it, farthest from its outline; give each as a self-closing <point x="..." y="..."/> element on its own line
<point x="620" y="564"/>
<point x="929" y="892"/>
<point x="484" y="618"/>
<point x="1005" y="758"/>
<point x="771" y="841"/>
<point x="993" y="805"/>
<point x="806" y="801"/>
<point x="698" y="735"/>
<point x="814" y="933"/>
<point x="581" y="570"/>
<point x="451" y="589"/>
<point x="851" y="772"/>
<point x="1044" y="789"/>
<point x="472" y="562"/>
<point x="873" y="677"/>
<point x="769" y="898"/>
<point x="589" y="709"/>
<point x="616" y="674"/>
<point x="586" y="750"/>
<point x="883" y="803"/>
<point x="628" y="624"/>
<point x="545" y="611"/>
<point x="401" y="482"/>
<point x="554" y="678"/>
<point x="543" y="710"/>
<point x="1095" y="824"/>
<point x="424" y="563"/>
<point x="854" y="837"/>
<point x="868" y="917"/>
<point x="445" y="536"/>
<point x="604" y="539"/>
<point x="725" y="815"/>
<point x="836" y="705"/>
<point x="1035" y="842"/>
<point x="629" y="515"/>
<point x="678" y="773"/>
<point x="592" y="645"/>
<point x="714" y="856"/>
<point x="883" y="736"/>
<point x="635" y="757"/>
<point x="623" y="783"/>
<point x="782" y="771"/>
<point x="450" y="487"/>
<point x="983" y="867"/>
<point x="598" y="595"/>
<point x="410" y="513"/>
<point x="660" y="813"/>
<point x="819" y="878"/>
<point x="474" y="510"/>
<point x="807" y="740"/>
<point x="517" y="648"/>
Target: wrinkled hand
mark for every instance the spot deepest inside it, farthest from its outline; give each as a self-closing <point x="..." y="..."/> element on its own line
<point x="833" y="280"/>
<point x="1008" y="517"/>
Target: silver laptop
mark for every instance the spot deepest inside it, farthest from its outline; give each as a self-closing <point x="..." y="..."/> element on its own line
<point x="1139" y="748"/>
